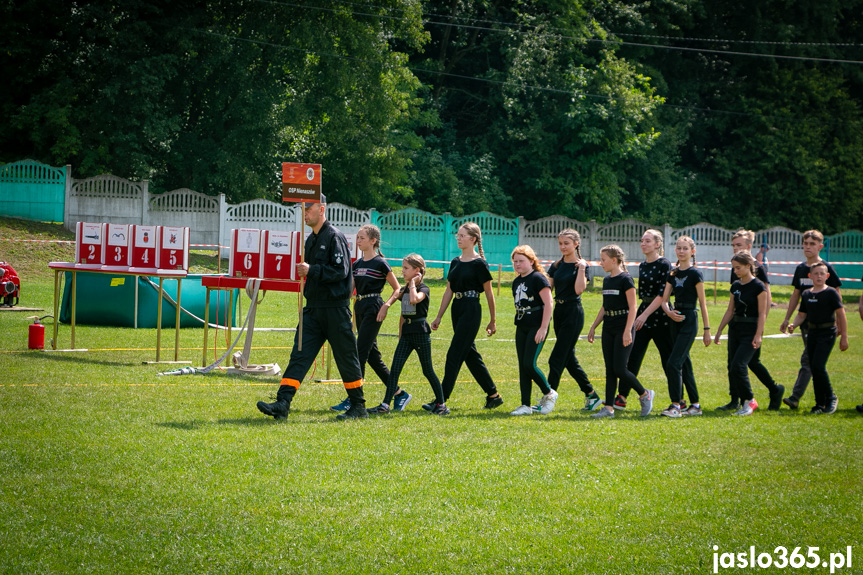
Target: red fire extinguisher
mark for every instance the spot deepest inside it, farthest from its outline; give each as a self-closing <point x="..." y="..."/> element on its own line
<point x="36" y="336"/>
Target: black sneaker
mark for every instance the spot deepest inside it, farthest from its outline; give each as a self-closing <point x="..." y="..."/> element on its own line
<point x="816" y="410"/>
<point x="682" y="405"/>
<point x="492" y="402"/>
<point x="429" y="406"/>
<point x="278" y="409"/>
<point x="354" y="412"/>
<point x="381" y="409"/>
<point x="832" y="406"/>
<point x="619" y="402"/>
<point x="860" y="408"/>
<point x="732" y="405"/>
<point x="776" y="398"/>
<point x="441" y="409"/>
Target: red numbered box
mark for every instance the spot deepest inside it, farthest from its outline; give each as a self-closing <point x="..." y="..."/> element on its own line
<point x="174" y="248"/>
<point x="246" y="250"/>
<point x="144" y="242"/>
<point x="281" y="255"/>
<point x="119" y="252"/>
<point x="90" y="244"/>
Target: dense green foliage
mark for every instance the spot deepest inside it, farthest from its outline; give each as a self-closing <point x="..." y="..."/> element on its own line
<point x="677" y="112"/>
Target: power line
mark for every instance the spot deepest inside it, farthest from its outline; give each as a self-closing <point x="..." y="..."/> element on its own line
<point x="568" y="37"/>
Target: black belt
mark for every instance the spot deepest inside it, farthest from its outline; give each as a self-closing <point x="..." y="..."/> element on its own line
<point x="469" y="293"/>
<point x="528" y="309"/>
<point x="359" y="297"/>
<point x="742" y="319"/>
<point x="410" y="320"/>
<point x="616" y="312"/>
<point x="824" y="325"/>
<point x="577" y="300"/>
<point x="679" y="305"/>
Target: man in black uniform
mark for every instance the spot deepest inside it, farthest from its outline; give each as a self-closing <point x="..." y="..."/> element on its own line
<point x="326" y="317"/>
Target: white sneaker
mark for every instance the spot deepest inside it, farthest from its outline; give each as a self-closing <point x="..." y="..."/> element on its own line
<point x="546" y="403"/>
<point x="522" y="410"/>
<point x="647" y="402"/>
<point x="746" y="409"/>
<point x="602" y="413"/>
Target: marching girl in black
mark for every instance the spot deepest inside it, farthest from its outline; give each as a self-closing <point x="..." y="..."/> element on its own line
<point x="568" y="278"/>
<point x="821" y="306"/>
<point x="742" y="241"/>
<point x="414" y="335"/>
<point x="531" y="293"/>
<point x="468" y="278"/>
<point x="371" y="273"/>
<point x="746" y="314"/>
<point x="618" y="313"/>
<point x="651" y="324"/>
<point x="687" y="284"/>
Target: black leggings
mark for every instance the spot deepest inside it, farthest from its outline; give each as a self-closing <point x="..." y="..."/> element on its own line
<point x="466" y="317"/>
<point x="616" y="357"/>
<point x="366" y="316"/>
<point x="528" y="351"/>
<point x="819" y="344"/>
<point x="421" y="343"/>
<point x="758" y="369"/>
<point x="740" y="353"/>
<point x="678" y="370"/>
<point x="663" y="339"/>
<point x="568" y="323"/>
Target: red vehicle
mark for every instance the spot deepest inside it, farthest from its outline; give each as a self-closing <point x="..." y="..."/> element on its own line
<point x="10" y="285"/>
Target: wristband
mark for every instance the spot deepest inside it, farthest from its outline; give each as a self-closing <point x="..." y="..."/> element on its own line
<point x="707" y="328"/>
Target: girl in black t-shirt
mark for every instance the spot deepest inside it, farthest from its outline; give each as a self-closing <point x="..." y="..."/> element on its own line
<point x="618" y="313"/>
<point x="568" y="277"/>
<point x="651" y="323"/>
<point x="414" y="334"/>
<point x="371" y="273"/>
<point x="821" y="307"/>
<point x="468" y="278"/>
<point x="742" y="241"/>
<point x="531" y="293"/>
<point x="687" y="284"/>
<point x="746" y="314"/>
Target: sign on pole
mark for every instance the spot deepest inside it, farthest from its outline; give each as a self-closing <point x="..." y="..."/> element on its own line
<point x="301" y="183"/>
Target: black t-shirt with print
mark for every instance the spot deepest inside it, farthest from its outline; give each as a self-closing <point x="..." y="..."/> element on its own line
<point x="417" y="312"/>
<point x="614" y="295"/>
<point x="525" y="293"/>
<point x="820" y="307"/>
<point x="468" y="276"/>
<point x="683" y="284"/>
<point x="802" y="282"/>
<point x="370" y="276"/>
<point x="651" y="284"/>
<point x="564" y="275"/>
<point x="746" y="297"/>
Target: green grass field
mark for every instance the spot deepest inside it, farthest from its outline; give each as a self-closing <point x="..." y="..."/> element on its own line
<point x="106" y="467"/>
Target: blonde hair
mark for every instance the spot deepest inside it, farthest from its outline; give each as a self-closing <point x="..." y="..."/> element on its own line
<point x="615" y="252"/>
<point x="691" y="243"/>
<point x="374" y="233"/>
<point x="472" y="229"/>
<point x="657" y="236"/>
<point x="415" y="261"/>
<point x="748" y="235"/>
<point x="746" y="259"/>
<point x="527" y="251"/>
<point x="814" y="234"/>
<point x="575" y="237"/>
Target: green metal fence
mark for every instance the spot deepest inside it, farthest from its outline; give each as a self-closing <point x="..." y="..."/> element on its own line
<point x="33" y="191"/>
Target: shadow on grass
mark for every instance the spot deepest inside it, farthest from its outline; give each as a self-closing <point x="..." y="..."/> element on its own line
<point x="83" y="360"/>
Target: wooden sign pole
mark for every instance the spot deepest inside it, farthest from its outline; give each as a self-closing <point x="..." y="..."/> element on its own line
<point x="302" y="283"/>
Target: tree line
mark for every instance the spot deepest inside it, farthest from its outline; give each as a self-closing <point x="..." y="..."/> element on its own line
<point x="731" y="112"/>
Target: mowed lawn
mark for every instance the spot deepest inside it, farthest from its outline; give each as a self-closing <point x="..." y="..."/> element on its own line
<point x="106" y="467"/>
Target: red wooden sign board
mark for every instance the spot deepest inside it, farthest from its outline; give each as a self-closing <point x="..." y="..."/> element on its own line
<point x="301" y="183"/>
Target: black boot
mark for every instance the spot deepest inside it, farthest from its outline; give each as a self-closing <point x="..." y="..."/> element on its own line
<point x="776" y="398"/>
<point x="278" y="409"/>
<point x="733" y="405"/>
<point x="357" y="410"/>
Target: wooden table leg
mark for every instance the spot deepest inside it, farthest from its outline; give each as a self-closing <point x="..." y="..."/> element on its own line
<point x="56" y="307"/>
<point x="74" y="304"/>
<point x="206" y="325"/>
<point x="159" y="321"/>
<point x="177" y="328"/>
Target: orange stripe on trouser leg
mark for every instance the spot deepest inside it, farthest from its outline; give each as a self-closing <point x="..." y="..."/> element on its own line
<point x="353" y="384"/>
<point x="292" y="382"/>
